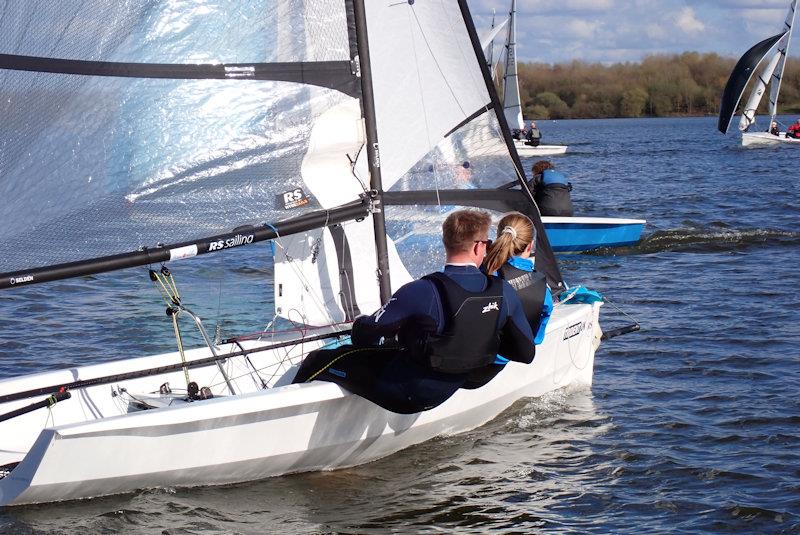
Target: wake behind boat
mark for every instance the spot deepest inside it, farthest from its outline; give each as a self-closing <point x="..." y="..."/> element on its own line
<point x="766" y="61"/>
<point x="296" y="128"/>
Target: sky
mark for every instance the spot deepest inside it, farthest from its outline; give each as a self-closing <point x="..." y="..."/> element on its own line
<point x="610" y="31"/>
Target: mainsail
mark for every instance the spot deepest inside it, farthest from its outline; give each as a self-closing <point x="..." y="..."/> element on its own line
<point x="511" y="99"/>
<point x="766" y="60"/>
<point x="172" y="129"/>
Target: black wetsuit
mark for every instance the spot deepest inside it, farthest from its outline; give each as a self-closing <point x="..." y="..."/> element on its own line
<point x="396" y="375"/>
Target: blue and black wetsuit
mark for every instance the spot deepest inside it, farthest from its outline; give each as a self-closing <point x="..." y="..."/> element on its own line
<point x="392" y="374"/>
<point x="537" y="303"/>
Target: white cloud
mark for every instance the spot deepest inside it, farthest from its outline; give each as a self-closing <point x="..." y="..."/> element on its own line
<point x="582" y="29"/>
<point x="687" y="21"/>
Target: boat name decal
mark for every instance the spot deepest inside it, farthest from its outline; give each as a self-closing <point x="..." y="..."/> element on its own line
<point x="236" y="241"/>
<point x="20" y="280"/>
<point x="573" y="330"/>
<point x="293" y="199"/>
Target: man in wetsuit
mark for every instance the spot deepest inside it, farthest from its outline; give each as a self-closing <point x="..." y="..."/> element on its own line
<point x="533" y="136"/>
<point x="436" y="330"/>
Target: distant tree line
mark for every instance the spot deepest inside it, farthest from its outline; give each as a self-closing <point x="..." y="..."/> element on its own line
<point x="659" y="86"/>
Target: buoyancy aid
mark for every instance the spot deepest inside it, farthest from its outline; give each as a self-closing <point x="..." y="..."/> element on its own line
<point x="470" y="338"/>
<point x="531" y="287"/>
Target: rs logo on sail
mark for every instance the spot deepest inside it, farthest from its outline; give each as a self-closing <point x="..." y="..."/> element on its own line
<point x="230" y="242"/>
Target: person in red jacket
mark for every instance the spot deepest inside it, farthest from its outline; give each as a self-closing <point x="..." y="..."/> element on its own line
<point x="794" y="130"/>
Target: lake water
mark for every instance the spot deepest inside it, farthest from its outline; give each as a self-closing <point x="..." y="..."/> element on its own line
<point x="692" y="425"/>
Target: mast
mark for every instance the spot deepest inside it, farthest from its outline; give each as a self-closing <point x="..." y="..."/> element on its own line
<point x="777" y="76"/>
<point x="373" y="151"/>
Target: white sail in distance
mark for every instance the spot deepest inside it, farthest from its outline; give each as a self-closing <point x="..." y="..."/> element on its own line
<point x="771" y="72"/>
<point x="511" y="99"/>
<point x="777" y="75"/>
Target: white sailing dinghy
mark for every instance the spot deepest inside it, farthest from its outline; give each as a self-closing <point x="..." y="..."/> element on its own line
<point x="766" y="61"/>
<point x="346" y="125"/>
<point x="511" y="99"/>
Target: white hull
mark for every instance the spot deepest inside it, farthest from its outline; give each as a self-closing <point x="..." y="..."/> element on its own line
<point x="765" y="139"/>
<point x="542" y="150"/>
<point x="91" y="445"/>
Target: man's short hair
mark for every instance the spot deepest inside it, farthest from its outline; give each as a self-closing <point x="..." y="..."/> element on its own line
<point x="463" y="227"/>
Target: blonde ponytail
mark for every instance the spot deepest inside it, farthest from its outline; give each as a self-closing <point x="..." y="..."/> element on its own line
<point x="514" y="234"/>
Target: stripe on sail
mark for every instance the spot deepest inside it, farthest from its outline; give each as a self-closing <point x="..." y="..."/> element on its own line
<point x="338" y="75"/>
<point x="741" y="75"/>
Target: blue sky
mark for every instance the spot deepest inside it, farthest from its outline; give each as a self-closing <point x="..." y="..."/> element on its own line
<point x="609" y="31"/>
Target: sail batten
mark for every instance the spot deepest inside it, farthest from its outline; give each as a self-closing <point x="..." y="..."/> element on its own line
<point x="337" y="75"/>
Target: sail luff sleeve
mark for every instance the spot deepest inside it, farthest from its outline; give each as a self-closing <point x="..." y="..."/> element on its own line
<point x="338" y="75"/>
<point x="238" y="237"/>
<point x="546" y="259"/>
<point x="373" y="152"/>
<point x="740" y="76"/>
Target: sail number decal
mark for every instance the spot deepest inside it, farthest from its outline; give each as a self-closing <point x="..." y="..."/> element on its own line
<point x="236" y="241"/>
<point x="573" y="330"/>
<point x="293" y="199"/>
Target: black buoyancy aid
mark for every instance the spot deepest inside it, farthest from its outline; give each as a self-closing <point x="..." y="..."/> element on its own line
<point x="471" y="336"/>
<point x="530" y="287"/>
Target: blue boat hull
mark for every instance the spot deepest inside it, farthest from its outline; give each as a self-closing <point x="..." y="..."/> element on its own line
<point x="571" y="234"/>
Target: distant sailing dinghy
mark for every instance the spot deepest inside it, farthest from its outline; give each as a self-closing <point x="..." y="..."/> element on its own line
<point x="766" y="60"/>
<point x="290" y="122"/>
<point x="511" y="100"/>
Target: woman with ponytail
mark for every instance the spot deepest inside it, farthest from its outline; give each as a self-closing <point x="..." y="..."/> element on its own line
<point x="510" y="256"/>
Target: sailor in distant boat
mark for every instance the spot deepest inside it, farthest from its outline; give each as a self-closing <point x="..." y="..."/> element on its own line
<point x="446" y="325"/>
<point x="794" y="130"/>
<point x="533" y="136"/>
<point x="552" y="190"/>
<point x="511" y="257"/>
<point x="774" y="130"/>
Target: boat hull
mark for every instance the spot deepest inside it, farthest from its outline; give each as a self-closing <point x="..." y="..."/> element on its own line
<point x="571" y="234"/>
<point x="765" y="139"/>
<point x="101" y="449"/>
<point x="542" y="150"/>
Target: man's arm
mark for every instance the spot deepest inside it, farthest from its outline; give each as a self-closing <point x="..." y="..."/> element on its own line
<point x="516" y="337"/>
<point x="414" y="300"/>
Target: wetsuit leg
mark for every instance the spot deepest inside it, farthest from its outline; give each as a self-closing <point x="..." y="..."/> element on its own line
<point x="354" y="368"/>
<point x="480" y="377"/>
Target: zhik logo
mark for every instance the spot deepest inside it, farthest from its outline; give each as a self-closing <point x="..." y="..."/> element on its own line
<point x="491" y="306"/>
